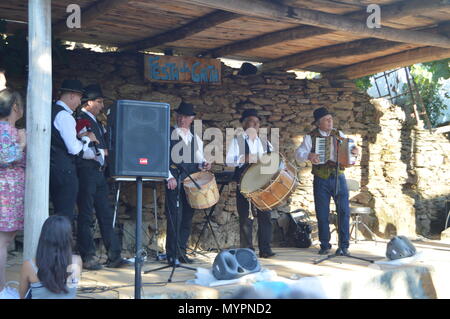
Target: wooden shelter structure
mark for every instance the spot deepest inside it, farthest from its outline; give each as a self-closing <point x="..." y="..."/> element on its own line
<point x="332" y="37"/>
<point x="327" y="36"/>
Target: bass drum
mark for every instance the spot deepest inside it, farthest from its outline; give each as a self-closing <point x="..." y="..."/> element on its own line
<point x="269" y="182"/>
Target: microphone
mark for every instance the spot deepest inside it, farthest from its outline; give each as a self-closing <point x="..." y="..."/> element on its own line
<point x="84" y="125"/>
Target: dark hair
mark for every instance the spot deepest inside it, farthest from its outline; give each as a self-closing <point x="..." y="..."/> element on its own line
<point x="7" y="99"/>
<point x="54" y="253"/>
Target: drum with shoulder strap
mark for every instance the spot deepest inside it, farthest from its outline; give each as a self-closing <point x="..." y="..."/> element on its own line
<point x="269" y="182"/>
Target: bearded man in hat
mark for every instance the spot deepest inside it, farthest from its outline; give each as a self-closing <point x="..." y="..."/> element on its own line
<point x="186" y="157"/>
<point x="243" y="150"/>
<point x="324" y="182"/>
<point x="94" y="190"/>
<point x="66" y="146"/>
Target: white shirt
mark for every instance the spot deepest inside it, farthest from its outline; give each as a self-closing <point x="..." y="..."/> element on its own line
<point x="301" y="154"/>
<point x="101" y="157"/>
<point x="65" y="124"/>
<point x="187" y="136"/>
<point x="235" y="158"/>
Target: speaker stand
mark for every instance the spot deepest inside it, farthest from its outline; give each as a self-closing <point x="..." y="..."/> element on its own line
<point x="176" y="262"/>
<point x="139" y="253"/>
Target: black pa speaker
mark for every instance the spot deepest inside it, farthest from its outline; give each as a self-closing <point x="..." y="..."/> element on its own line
<point x="139" y="133"/>
<point x="235" y="263"/>
<point x="400" y="247"/>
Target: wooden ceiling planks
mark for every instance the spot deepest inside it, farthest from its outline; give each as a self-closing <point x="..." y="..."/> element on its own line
<point x="138" y="19"/>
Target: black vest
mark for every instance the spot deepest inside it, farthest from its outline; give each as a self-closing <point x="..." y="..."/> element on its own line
<point x="239" y="170"/>
<point x="191" y="166"/>
<point x="97" y="129"/>
<point x="59" y="155"/>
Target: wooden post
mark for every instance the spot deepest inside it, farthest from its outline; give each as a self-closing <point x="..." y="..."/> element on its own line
<point x="39" y="97"/>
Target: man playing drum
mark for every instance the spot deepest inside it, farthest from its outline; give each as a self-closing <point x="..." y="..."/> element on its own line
<point x="181" y="164"/>
<point x="324" y="182"/>
<point x="243" y="150"/>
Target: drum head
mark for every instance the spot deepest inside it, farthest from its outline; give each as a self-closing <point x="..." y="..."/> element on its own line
<point x="202" y="178"/>
<point x="259" y="175"/>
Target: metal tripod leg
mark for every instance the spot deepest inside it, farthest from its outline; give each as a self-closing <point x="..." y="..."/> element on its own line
<point x="371" y="233"/>
<point x="338" y="255"/>
<point x="208" y="222"/>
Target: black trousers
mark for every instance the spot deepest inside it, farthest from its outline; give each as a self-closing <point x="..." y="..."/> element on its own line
<point x="63" y="190"/>
<point x="183" y="218"/>
<point x="246" y="225"/>
<point x="93" y="195"/>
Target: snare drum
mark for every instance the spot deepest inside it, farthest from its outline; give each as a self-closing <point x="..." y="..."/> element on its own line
<point x="269" y="182"/>
<point x="207" y="195"/>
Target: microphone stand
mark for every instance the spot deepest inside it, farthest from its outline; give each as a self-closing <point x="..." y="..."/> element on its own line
<point x="339" y="251"/>
<point x="176" y="262"/>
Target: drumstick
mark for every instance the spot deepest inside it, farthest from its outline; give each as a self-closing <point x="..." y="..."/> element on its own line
<point x="195" y="183"/>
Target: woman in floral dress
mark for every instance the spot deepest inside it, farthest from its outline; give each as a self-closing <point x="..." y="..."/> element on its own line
<point x="12" y="175"/>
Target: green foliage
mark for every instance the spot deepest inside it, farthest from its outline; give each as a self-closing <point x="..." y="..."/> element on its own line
<point x="363" y="83"/>
<point x="440" y="69"/>
<point x="14" y="51"/>
<point x="429" y="89"/>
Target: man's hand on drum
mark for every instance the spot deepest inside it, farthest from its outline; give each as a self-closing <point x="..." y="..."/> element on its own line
<point x="251" y="158"/>
<point x="314" y="158"/>
<point x="172" y="183"/>
<point x="206" y="166"/>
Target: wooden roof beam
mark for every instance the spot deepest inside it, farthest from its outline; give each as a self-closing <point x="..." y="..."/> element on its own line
<point x="347" y="49"/>
<point x="389" y="62"/>
<point x="316" y="56"/>
<point x="390" y="12"/>
<point x="89" y="15"/>
<point x="278" y="12"/>
<point x="196" y="26"/>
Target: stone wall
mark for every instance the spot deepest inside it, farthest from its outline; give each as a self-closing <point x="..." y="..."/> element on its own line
<point x="394" y="171"/>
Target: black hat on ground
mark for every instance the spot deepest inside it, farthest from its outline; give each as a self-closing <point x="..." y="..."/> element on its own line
<point x="92" y="92"/>
<point x="247" y="113"/>
<point x="72" y="86"/>
<point x="185" y="109"/>
<point x="319" y="113"/>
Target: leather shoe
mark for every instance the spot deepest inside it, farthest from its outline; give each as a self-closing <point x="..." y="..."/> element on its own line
<point x="266" y="254"/>
<point x="185" y="260"/>
<point x="117" y="263"/>
<point x="324" y="251"/>
<point x="342" y="252"/>
<point x="92" y="264"/>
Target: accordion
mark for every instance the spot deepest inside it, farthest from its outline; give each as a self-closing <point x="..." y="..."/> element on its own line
<point x="325" y="147"/>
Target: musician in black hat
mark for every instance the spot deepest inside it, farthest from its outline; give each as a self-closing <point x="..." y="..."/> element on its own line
<point x="324" y="181"/>
<point x="244" y="150"/>
<point x="66" y="145"/>
<point x="186" y="158"/>
<point x="94" y="190"/>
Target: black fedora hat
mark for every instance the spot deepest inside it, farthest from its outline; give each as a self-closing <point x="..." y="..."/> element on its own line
<point x="71" y="86"/>
<point x="319" y="113"/>
<point x="247" y="113"/>
<point x="247" y="69"/>
<point x="92" y="92"/>
<point x="185" y="109"/>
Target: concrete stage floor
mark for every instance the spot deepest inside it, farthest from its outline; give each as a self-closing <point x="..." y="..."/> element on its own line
<point x="358" y="277"/>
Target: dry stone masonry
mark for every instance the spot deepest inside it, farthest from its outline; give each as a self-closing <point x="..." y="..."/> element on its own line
<point x="403" y="170"/>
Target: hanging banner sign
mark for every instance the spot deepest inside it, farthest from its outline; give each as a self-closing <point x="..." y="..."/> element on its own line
<point x="178" y="69"/>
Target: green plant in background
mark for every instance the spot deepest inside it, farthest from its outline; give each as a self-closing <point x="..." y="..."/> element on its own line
<point x="427" y="79"/>
<point x="363" y="83"/>
<point x="440" y="69"/>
